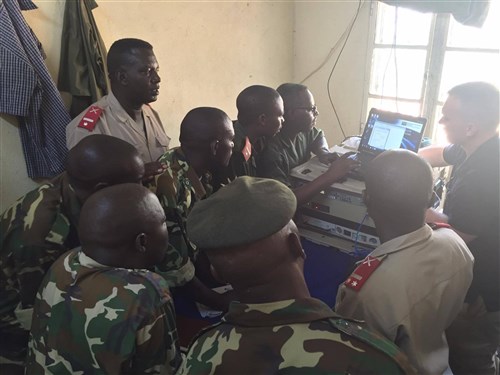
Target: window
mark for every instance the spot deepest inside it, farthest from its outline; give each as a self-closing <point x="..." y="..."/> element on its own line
<point x="417" y="57"/>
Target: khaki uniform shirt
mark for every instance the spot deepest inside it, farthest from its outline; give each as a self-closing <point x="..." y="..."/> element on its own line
<point x="115" y="121"/>
<point x="415" y="293"/>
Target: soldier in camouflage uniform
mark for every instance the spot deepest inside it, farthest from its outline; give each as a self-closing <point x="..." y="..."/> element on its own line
<point x="41" y="226"/>
<point x="206" y="144"/>
<point x="276" y="327"/>
<point x="99" y="309"/>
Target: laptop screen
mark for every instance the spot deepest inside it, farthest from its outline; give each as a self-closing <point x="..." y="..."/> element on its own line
<point x="388" y="131"/>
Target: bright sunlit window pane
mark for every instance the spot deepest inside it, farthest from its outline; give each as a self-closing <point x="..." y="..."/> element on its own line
<point x="397" y="72"/>
<point x="408" y="22"/>
<point x="408" y="108"/>
<point x="472" y="37"/>
<point x="461" y="67"/>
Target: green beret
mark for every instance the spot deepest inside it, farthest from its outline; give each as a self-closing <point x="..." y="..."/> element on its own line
<point x="246" y="210"/>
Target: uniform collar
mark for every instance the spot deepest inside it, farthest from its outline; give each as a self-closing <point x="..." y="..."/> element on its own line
<point x="404" y="242"/>
<point x="239" y="134"/>
<point x="277" y="313"/>
<point x="119" y="111"/>
<point x="85" y="261"/>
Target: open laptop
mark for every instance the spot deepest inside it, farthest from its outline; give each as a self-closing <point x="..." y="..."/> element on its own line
<point x="387" y="131"/>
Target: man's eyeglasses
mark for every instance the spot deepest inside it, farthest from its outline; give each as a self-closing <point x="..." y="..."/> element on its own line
<point x="312" y="109"/>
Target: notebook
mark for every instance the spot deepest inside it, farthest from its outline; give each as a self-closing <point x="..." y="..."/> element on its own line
<point x="387" y="131"/>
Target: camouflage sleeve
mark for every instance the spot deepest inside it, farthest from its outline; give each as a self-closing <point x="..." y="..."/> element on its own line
<point x="32" y="235"/>
<point x="156" y="341"/>
<point x="176" y="270"/>
<point x="177" y="267"/>
<point x="360" y="331"/>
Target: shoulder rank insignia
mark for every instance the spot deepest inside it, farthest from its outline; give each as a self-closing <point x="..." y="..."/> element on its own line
<point x="247" y="150"/>
<point x="359" y="276"/>
<point x="90" y="118"/>
<point x="435" y="226"/>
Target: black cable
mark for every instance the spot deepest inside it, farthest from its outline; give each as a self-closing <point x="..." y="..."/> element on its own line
<point x="335" y="65"/>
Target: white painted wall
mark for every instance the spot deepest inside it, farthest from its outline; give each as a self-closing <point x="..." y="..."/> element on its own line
<point x="318" y="27"/>
<point x="208" y="52"/>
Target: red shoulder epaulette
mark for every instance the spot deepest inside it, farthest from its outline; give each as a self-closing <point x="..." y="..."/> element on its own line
<point x="90" y="118"/>
<point x="247" y="150"/>
<point x="359" y="276"/>
<point x="435" y="226"/>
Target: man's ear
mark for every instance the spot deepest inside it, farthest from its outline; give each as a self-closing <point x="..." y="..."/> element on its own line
<point x="262" y="119"/>
<point x="141" y="241"/>
<point x="214" y="146"/>
<point x="471" y="130"/>
<point x="122" y="77"/>
<point x="295" y="246"/>
<point x="99" y="186"/>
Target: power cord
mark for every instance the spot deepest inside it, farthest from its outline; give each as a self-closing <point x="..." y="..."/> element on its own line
<point x="360" y="252"/>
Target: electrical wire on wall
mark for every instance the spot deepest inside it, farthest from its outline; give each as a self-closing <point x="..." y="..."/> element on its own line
<point x="345" y="36"/>
<point x="335" y="65"/>
<point x="330" y="54"/>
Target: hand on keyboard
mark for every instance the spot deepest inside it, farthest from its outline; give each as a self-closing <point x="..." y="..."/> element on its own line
<point x="339" y="169"/>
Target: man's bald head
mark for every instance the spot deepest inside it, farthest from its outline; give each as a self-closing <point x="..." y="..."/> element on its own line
<point x="479" y="103"/>
<point x="203" y="124"/>
<point x="101" y="160"/>
<point x="254" y="101"/>
<point x="290" y="92"/>
<point x="124" y="226"/>
<point x="398" y="187"/>
<point x="207" y="134"/>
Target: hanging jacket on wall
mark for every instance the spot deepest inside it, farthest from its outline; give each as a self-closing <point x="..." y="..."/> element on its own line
<point x="82" y="68"/>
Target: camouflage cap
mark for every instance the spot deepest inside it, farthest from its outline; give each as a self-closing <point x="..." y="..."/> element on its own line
<point x="246" y="210"/>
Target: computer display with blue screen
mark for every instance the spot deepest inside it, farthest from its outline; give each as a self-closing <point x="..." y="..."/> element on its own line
<point x="388" y="131"/>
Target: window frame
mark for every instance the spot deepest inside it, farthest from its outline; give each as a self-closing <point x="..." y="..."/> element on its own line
<point x="436" y="50"/>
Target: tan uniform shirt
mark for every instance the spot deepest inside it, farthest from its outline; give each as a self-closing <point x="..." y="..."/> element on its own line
<point x="115" y="121"/>
<point x="415" y="293"/>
